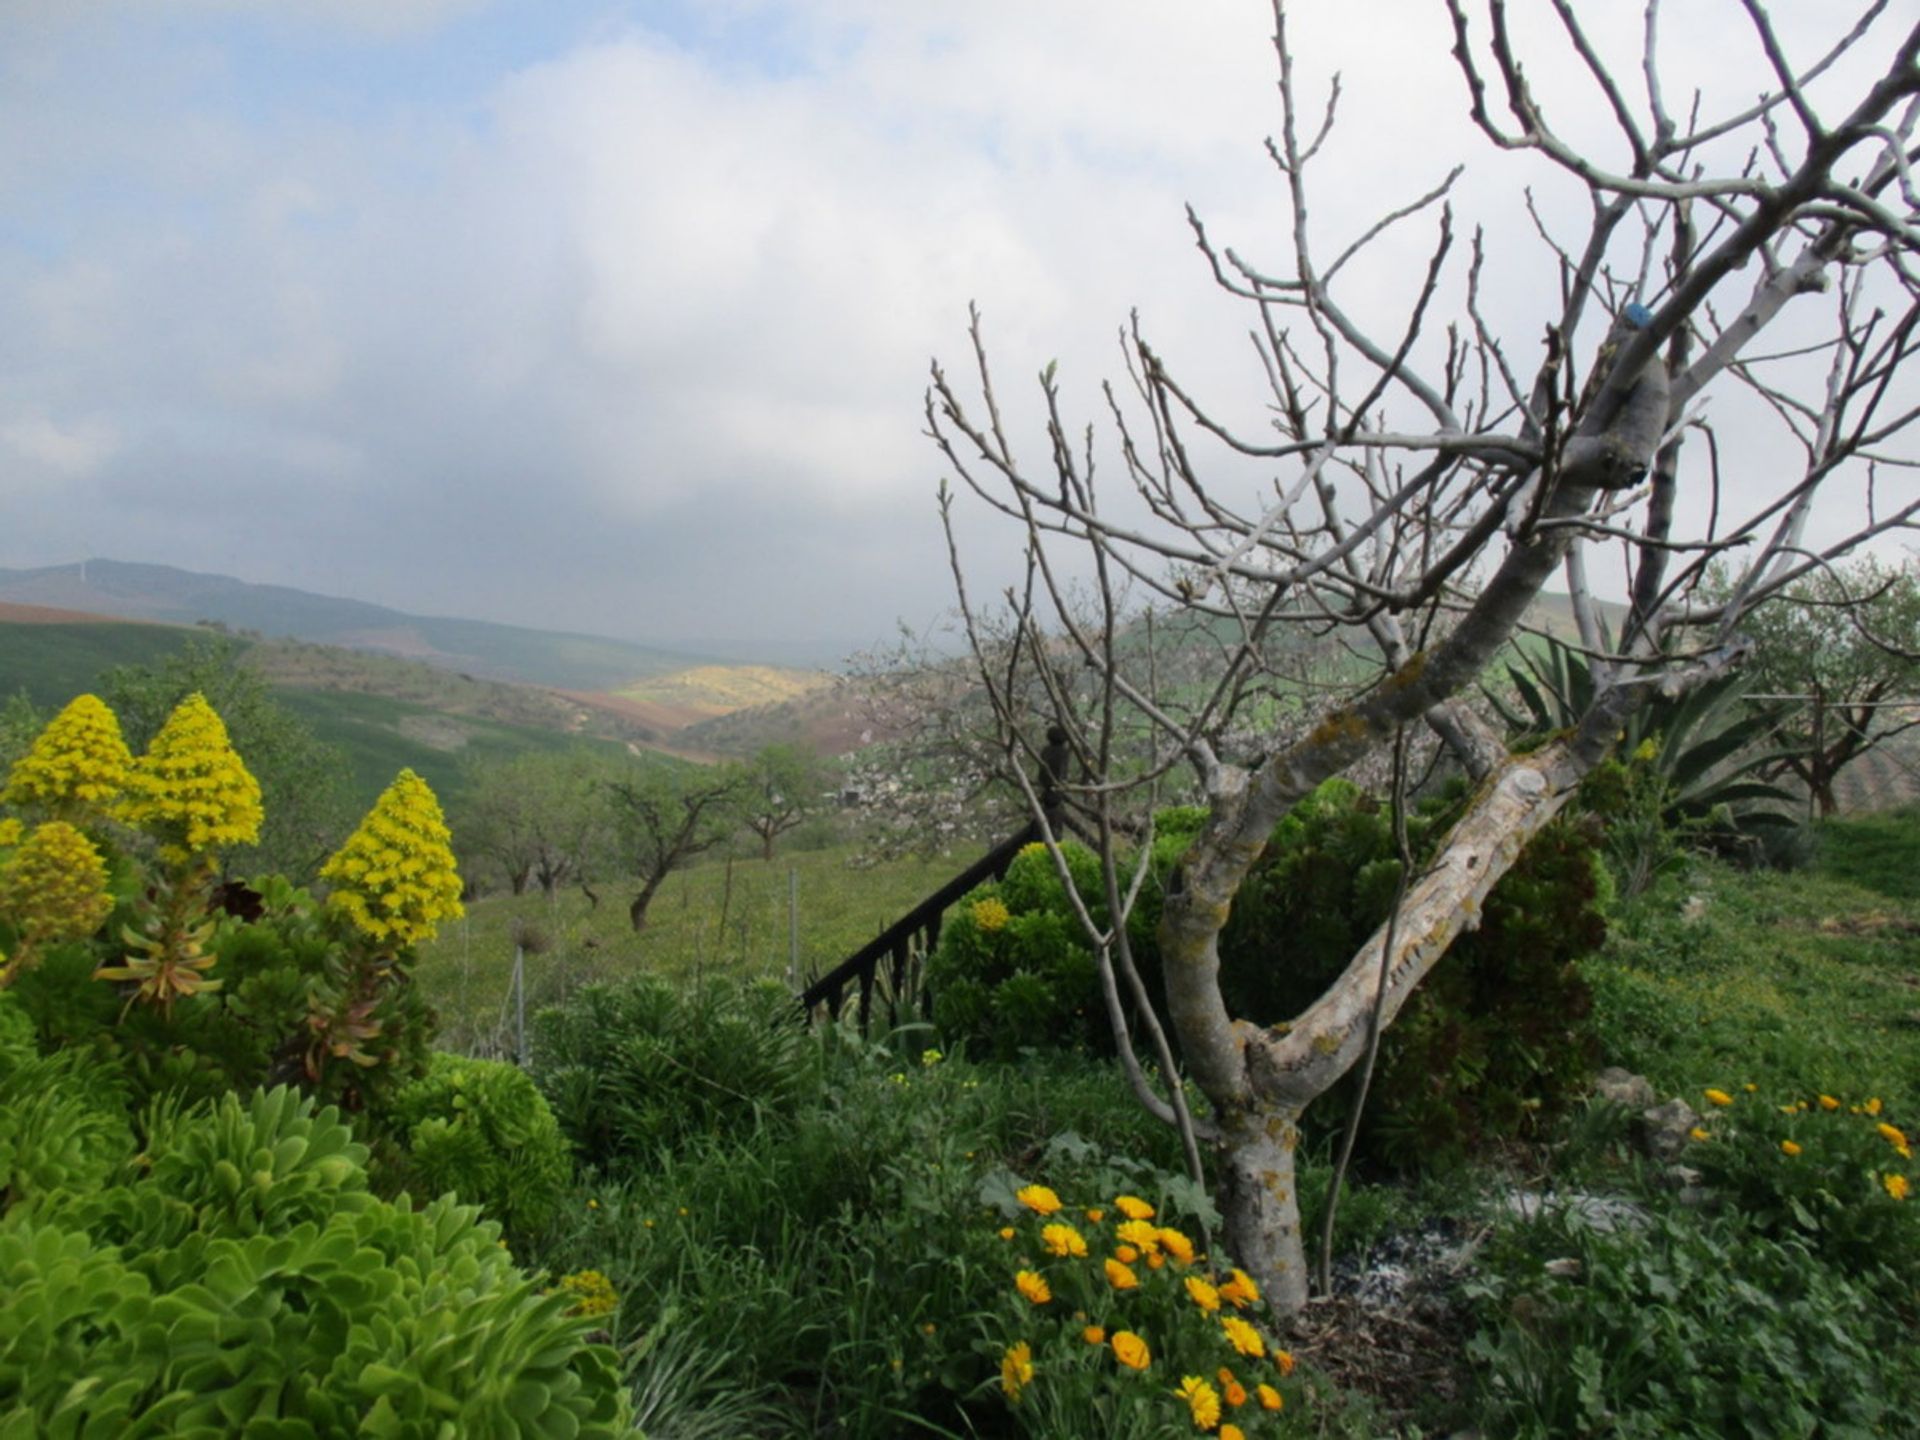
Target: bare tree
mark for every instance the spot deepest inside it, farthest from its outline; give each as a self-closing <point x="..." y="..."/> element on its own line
<point x="663" y="816"/>
<point x="1424" y="485"/>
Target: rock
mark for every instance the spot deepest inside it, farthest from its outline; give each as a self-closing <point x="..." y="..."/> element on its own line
<point x="1695" y="907"/>
<point x="1567" y="1269"/>
<point x="1623" y="1087"/>
<point x="1602" y="1214"/>
<point x="1664" y="1131"/>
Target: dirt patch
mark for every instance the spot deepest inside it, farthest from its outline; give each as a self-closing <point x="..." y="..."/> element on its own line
<point x="15" y="614"/>
<point x="1873" y="922"/>
<point x="661" y="717"/>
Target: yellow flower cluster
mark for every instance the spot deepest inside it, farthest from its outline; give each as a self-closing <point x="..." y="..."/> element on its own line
<point x="592" y="1293"/>
<point x="990" y="914"/>
<point x="78" y="762"/>
<point x="191" y="789"/>
<point x="1897" y="1186"/>
<point x="395" y="877"/>
<point x="1150" y="1276"/>
<point x="54" y="887"/>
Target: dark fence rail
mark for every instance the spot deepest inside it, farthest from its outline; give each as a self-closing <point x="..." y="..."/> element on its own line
<point x="903" y="946"/>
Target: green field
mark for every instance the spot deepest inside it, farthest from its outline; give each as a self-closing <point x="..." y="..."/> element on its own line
<point x="53" y="663"/>
<point x="696" y="927"/>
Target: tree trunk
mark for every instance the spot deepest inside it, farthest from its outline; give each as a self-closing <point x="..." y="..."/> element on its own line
<point x="637" y="911"/>
<point x="1260" y="1202"/>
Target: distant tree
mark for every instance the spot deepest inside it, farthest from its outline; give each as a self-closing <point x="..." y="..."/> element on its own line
<point x="663" y="816"/>
<point x="20" y="722"/>
<point x="534" y="817"/>
<point x="780" y="788"/>
<point x="303" y="780"/>
<point x="1847" y="640"/>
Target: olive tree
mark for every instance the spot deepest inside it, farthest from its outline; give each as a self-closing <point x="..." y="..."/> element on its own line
<point x="1422" y="482"/>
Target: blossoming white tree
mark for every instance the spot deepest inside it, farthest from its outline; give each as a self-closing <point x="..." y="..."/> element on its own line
<point x="1422" y="485"/>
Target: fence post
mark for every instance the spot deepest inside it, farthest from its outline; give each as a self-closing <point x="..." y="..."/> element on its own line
<point x="793" y="929"/>
<point x="519" y="1005"/>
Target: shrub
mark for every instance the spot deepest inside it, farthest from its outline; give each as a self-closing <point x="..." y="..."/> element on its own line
<point x="481" y="1129"/>
<point x="634" y="1067"/>
<point x="248" y="1282"/>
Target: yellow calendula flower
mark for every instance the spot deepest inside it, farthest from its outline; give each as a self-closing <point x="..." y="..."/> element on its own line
<point x="1231" y="1390"/>
<point x="1717" y="1097"/>
<point x="1094" y="1335"/>
<point x="1892" y="1134"/>
<point x="1896" y="1186"/>
<point x="1006" y="1232"/>
<point x="1231" y="1431"/>
<point x="1125" y="1254"/>
<point x="990" y="914"/>
<point x="1696" y="1133"/>
<point x="1203" y="1401"/>
<point x="1202" y="1294"/>
<point x="1283" y="1360"/>
<point x="1094" y="1217"/>
<point x="1269" y="1398"/>
<point x="1034" y="1286"/>
<point x="1131" y="1351"/>
<point x="1038" y="1198"/>
<point x="1062" y="1240"/>
<point x="1787" y="1147"/>
<point x="1176" y="1244"/>
<point x="1240" y="1291"/>
<point x="1243" y="1337"/>
<point x="1121" y="1277"/>
<point x="1828" y="1102"/>
<point x="1016" y="1370"/>
<point x="78" y="762"/>
<point x="1133" y="1207"/>
<point x="1139" y="1234"/>
<point x="395" y="877"/>
<point x="191" y="790"/>
<point x="1872" y="1107"/>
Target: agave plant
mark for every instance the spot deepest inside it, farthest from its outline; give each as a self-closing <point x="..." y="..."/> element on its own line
<point x="1708" y="748"/>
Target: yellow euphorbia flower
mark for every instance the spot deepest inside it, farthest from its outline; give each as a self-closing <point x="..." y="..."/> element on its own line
<point x="78" y="761"/>
<point x="395" y="879"/>
<point x="190" y="789"/>
<point x="54" y="887"/>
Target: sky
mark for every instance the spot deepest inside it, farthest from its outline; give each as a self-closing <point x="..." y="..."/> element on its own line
<point x="617" y="317"/>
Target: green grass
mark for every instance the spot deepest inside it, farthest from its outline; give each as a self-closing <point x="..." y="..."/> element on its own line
<point x="466" y="973"/>
<point x="1808" y="981"/>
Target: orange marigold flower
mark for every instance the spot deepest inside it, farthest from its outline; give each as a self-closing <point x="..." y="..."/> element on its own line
<point x="1240" y="1291"/>
<point x="1121" y="1277"/>
<point x="1203" y="1401"/>
<point x="1126" y="1254"/>
<point x="1016" y="1370"/>
<point x="1033" y="1286"/>
<point x="1133" y="1207"/>
<point x="1140" y="1234"/>
<point x="1038" y="1198"/>
<point x="1094" y="1217"/>
<point x="1131" y="1351"/>
<point x="1094" y="1335"/>
<point x="1062" y="1240"/>
<point x="1243" y="1337"/>
<point x="1231" y="1431"/>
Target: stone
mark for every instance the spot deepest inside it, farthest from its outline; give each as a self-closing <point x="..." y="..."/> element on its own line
<point x="1665" y="1131"/>
<point x="1623" y="1087"/>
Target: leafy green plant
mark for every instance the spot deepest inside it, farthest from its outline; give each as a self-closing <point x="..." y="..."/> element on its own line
<point x="242" y="1279"/>
<point x="481" y="1129"/>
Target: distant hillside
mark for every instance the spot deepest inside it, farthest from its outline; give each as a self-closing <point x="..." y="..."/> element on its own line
<point x="478" y="647"/>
